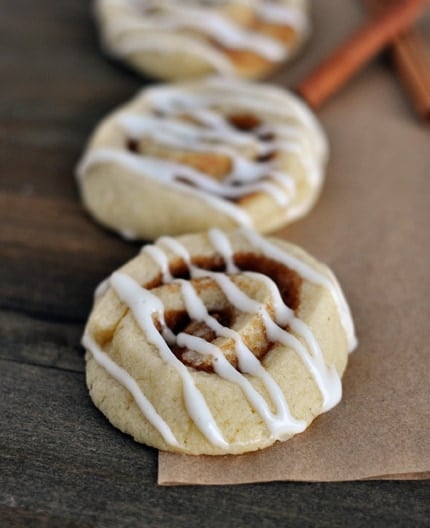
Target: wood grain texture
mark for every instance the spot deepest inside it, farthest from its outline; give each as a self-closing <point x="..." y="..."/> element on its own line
<point x="62" y="460"/>
<point x="61" y="463"/>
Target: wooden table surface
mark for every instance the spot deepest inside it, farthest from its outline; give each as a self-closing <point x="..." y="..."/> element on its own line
<point x="61" y="463"/>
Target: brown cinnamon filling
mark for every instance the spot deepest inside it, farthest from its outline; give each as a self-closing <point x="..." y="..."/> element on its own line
<point x="179" y="322"/>
<point x="244" y="122"/>
<point x="288" y="282"/>
<point x="266" y="157"/>
<point x="266" y="136"/>
<point x="132" y="145"/>
<point x="213" y="165"/>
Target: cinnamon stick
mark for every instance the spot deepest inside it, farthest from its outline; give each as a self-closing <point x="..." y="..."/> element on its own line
<point x="411" y="61"/>
<point x="353" y="54"/>
<point x="413" y="68"/>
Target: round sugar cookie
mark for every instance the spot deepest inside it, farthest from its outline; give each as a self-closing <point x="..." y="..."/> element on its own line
<point x="172" y="39"/>
<point x="217" y="343"/>
<point x="211" y="153"/>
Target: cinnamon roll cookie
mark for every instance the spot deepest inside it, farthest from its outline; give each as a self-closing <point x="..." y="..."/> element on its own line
<point x="211" y="153"/>
<point x="176" y="40"/>
<point x="217" y="343"/>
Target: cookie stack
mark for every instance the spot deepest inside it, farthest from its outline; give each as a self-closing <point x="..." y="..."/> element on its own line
<point x="219" y="341"/>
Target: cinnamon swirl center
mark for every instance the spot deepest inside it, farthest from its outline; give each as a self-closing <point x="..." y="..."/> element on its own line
<point x="219" y="321"/>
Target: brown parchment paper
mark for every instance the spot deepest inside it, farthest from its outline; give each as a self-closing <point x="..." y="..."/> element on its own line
<point x="372" y="225"/>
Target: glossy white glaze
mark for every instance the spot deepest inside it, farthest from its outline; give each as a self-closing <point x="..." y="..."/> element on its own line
<point x="308" y="273"/>
<point x="127" y="381"/>
<point x="144" y="306"/>
<point x="147" y="307"/>
<point x="165" y="173"/>
<point x="254" y="160"/>
<point x="166" y="27"/>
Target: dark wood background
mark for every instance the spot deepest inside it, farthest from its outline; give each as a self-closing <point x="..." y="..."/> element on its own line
<point x="61" y="463"/>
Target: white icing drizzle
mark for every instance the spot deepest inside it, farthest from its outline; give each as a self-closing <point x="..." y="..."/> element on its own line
<point x="222" y="245"/>
<point x="221" y="29"/>
<point x="326" y="378"/>
<point x="164" y="172"/>
<point x="280" y="13"/>
<point x="135" y="43"/>
<point x="160" y="258"/>
<point x="145" y="25"/>
<point x="281" y="424"/>
<point x="180" y="135"/>
<point x="275" y="102"/>
<point x="146" y="307"/>
<point x="311" y="275"/>
<point x="143" y="306"/>
<point x="127" y="381"/>
<point x="287" y="128"/>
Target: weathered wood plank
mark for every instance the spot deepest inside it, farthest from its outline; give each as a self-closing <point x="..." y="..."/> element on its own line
<point x="56" y="85"/>
<point x="18" y="517"/>
<point x="33" y="341"/>
<point x="59" y="457"/>
<point x="53" y="256"/>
